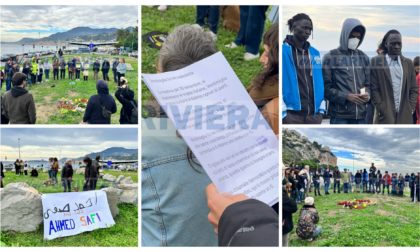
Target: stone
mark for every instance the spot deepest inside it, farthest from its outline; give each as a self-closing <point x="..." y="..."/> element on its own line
<point x="101" y="175"/>
<point x="13" y="170"/>
<point x="128" y="186"/>
<point x="129" y="196"/>
<point x="127" y="180"/>
<point x="21" y="208"/>
<point x="106" y="176"/>
<point x="112" y="178"/>
<point x="119" y="179"/>
<point x="113" y="199"/>
<point x="45" y="170"/>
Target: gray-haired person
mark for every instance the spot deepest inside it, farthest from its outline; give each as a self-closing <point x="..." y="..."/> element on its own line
<point x="306" y="193"/>
<point x="114" y="69"/>
<point x="67" y="175"/>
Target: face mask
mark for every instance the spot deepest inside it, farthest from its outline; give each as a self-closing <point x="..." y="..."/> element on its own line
<point x="353" y="43"/>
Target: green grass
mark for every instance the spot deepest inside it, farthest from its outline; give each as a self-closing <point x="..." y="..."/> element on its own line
<point x="394" y="222"/>
<point x="154" y="20"/>
<point x="123" y="234"/>
<point x="46" y="96"/>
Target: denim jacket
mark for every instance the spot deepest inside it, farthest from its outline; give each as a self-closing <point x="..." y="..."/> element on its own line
<point x="174" y="203"/>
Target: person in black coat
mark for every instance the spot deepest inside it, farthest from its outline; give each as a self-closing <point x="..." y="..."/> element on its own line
<point x="358" y="180"/>
<point x="365" y="180"/>
<point x="105" y="69"/>
<point x="91" y="175"/>
<point x="240" y="221"/>
<point x="93" y="113"/>
<point x="372" y="179"/>
<point x="2" y="175"/>
<point x="34" y="173"/>
<point x="289" y="207"/>
<point x="67" y="175"/>
<point x="114" y="69"/>
<point x="126" y="97"/>
<point x="316" y="178"/>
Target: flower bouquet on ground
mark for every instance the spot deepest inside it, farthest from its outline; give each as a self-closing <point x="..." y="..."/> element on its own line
<point x="69" y="106"/>
<point x="357" y="204"/>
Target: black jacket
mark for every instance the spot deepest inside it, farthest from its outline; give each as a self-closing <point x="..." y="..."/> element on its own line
<point x="2" y="174"/>
<point x="292" y="180"/>
<point x="316" y="178"/>
<point x="105" y="67"/>
<point x="11" y="72"/>
<point x="93" y="113"/>
<point x="114" y="66"/>
<point x="91" y="172"/>
<point x="60" y="53"/>
<point x="34" y="173"/>
<point x="301" y="181"/>
<point x="126" y="98"/>
<point x="378" y="178"/>
<point x="67" y="172"/>
<point x="249" y="223"/>
<point x="358" y="178"/>
<point x="372" y="176"/>
<point x="96" y="66"/>
<point x="303" y="66"/>
<point x="346" y="73"/>
<point x="289" y="207"/>
<point x="7" y="66"/>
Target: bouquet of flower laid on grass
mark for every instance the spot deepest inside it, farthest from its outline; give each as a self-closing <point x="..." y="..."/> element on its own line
<point x="81" y="102"/>
<point x="68" y="105"/>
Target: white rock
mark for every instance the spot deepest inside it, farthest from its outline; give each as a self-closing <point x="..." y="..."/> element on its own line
<point x="127" y="180"/>
<point x="130" y="196"/>
<point x="45" y="170"/>
<point x="112" y="178"/>
<point x="119" y="179"/>
<point x="106" y="176"/>
<point x="128" y="186"/>
<point x="113" y="199"/>
<point x="21" y="208"/>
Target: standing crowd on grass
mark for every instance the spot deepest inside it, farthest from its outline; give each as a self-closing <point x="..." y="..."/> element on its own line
<point x="297" y="185"/>
<point x="18" y="104"/>
<point x="91" y="174"/>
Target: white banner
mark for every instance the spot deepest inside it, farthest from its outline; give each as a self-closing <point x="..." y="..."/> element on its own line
<point x="67" y="214"/>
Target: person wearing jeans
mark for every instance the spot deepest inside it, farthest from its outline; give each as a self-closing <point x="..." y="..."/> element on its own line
<point x="378" y="182"/>
<point x="337" y="178"/>
<point x="67" y="175"/>
<point x="47" y="66"/>
<point x="252" y="27"/>
<point x="327" y="182"/>
<point x="214" y="12"/>
<point x="372" y="180"/>
<point x="308" y="218"/>
<point x="55" y="168"/>
<point x="387" y="182"/>
<point x="50" y="168"/>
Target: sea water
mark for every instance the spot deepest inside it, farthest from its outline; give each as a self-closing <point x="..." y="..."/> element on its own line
<point x="20" y="49"/>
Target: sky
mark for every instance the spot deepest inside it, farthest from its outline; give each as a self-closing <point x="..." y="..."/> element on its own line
<point x="378" y="20"/>
<point x="391" y="149"/>
<point x="22" y="21"/>
<point x="42" y="143"/>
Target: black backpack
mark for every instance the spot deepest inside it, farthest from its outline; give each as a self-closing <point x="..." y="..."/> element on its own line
<point x="134" y="118"/>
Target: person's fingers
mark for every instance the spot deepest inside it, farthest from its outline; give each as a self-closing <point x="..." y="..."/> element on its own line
<point x="216" y="230"/>
<point x="278" y="136"/>
<point x="211" y="190"/>
<point x="213" y="219"/>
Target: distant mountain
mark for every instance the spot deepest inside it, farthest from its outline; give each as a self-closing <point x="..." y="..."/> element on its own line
<point x="114" y="151"/>
<point x="73" y="33"/>
<point x="103" y="37"/>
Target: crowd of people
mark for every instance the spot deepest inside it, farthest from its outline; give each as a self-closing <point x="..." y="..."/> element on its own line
<point x="91" y="174"/>
<point x="18" y="104"/>
<point x="297" y="185"/>
<point x="357" y="90"/>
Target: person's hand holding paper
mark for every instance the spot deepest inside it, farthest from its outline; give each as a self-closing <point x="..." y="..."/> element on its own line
<point x="222" y="125"/>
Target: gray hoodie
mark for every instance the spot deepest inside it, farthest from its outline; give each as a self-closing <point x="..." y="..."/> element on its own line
<point x="346" y="73"/>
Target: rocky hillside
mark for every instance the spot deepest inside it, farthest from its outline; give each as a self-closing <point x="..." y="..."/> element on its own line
<point x="299" y="147"/>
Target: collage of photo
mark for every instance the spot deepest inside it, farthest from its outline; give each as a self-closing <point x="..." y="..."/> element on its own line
<point x="209" y="132"/>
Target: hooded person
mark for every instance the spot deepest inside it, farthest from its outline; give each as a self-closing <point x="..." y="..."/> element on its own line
<point x="62" y="68"/>
<point x="347" y="76"/>
<point x="306" y="228"/>
<point x="126" y="97"/>
<point x="394" y="86"/>
<point x="94" y="113"/>
<point x="18" y="104"/>
<point x="302" y="82"/>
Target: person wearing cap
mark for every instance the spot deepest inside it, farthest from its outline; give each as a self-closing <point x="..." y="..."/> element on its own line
<point x="126" y="97"/>
<point x="18" y="104"/>
<point x="308" y="217"/>
<point x="114" y="69"/>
